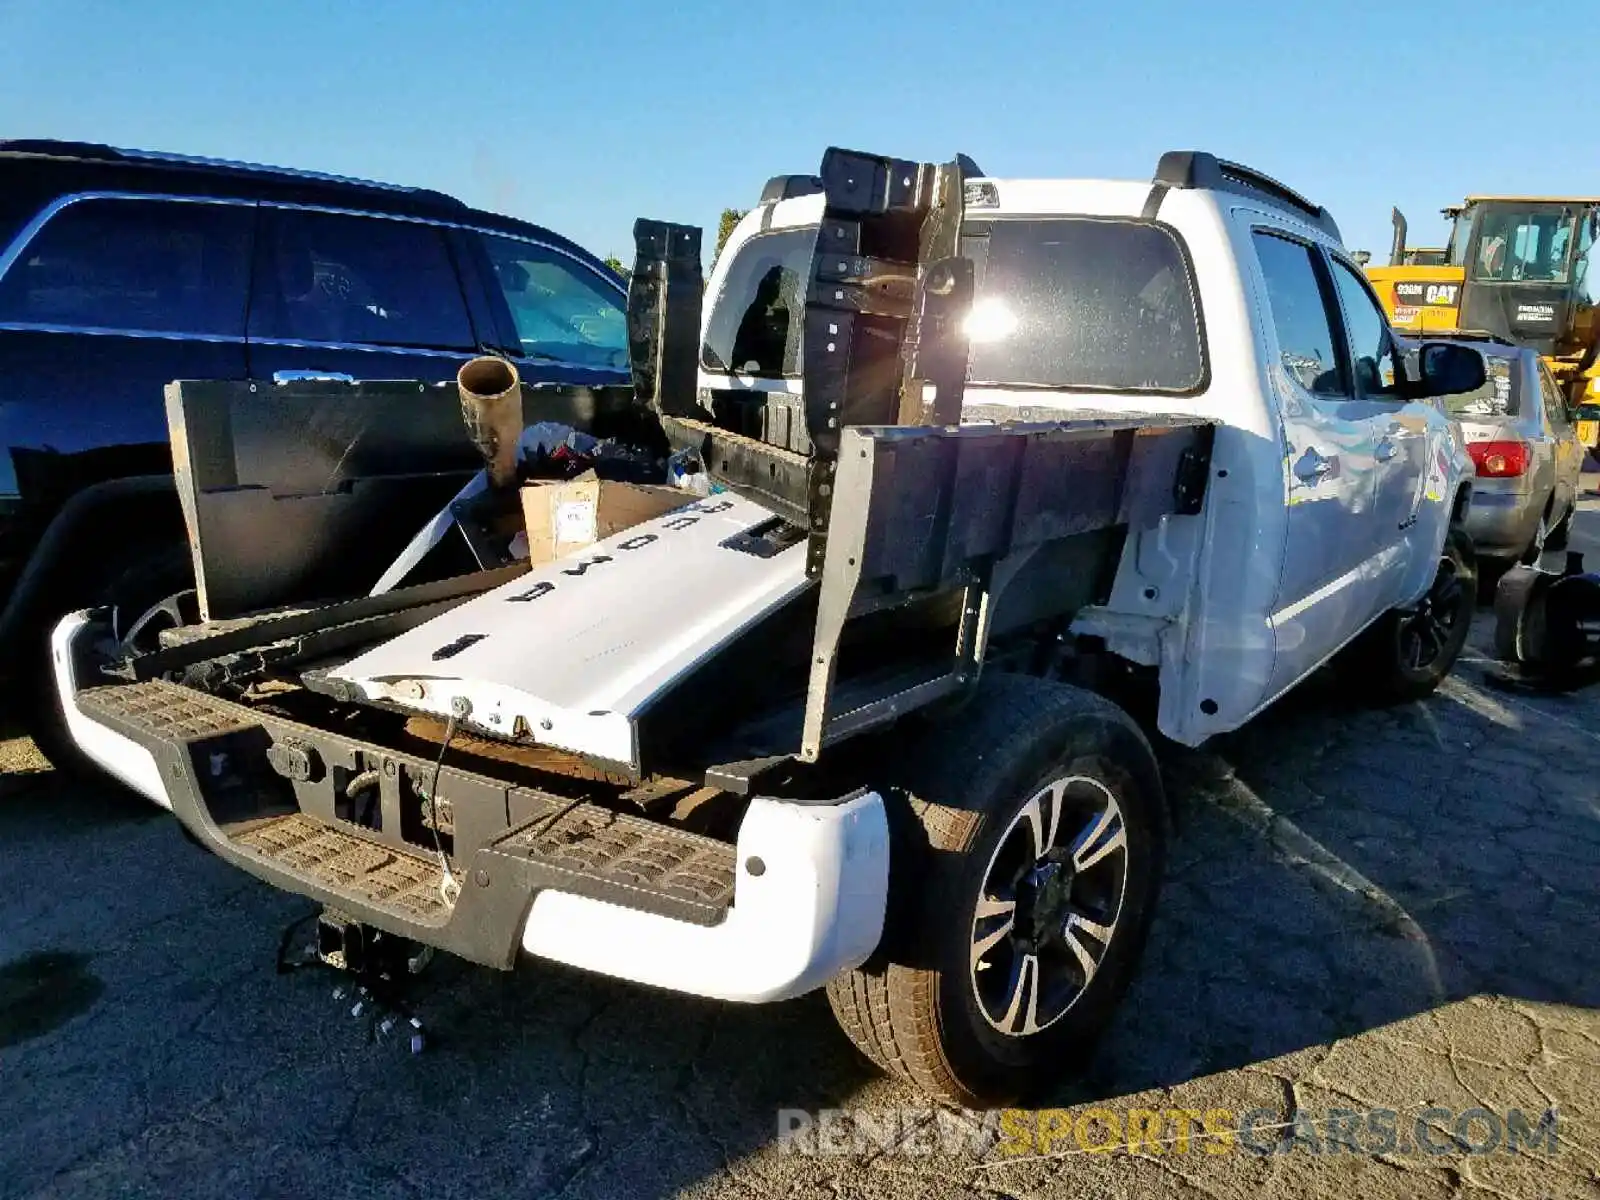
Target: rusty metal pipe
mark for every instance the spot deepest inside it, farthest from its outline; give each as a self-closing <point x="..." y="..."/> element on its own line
<point x="491" y="406"/>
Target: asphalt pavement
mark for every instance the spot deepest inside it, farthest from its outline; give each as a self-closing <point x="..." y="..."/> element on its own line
<point x="1374" y="912"/>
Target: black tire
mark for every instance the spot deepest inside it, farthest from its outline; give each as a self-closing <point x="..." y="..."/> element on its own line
<point x="1383" y="660"/>
<point x="142" y="580"/>
<point x="965" y="786"/>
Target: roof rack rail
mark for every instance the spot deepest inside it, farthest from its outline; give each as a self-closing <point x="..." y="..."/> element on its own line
<point x="1197" y="169"/>
<point x="99" y="152"/>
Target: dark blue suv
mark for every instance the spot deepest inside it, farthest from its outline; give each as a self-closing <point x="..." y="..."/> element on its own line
<point x="121" y="271"/>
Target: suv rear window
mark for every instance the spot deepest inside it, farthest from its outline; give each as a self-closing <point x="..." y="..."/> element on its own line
<point x="1070" y="302"/>
<point x="151" y="266"/>
<point x="1085" y="303"/>
<point x="1500" y="395"/>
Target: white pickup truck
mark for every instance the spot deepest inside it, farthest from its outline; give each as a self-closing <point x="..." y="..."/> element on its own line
<point x="987" y="447"/>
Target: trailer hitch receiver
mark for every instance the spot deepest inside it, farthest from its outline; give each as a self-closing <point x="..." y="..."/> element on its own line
<point x="348" y="945"/>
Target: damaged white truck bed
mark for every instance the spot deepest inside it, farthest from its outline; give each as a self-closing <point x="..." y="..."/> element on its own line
<point x="833" y="725"/>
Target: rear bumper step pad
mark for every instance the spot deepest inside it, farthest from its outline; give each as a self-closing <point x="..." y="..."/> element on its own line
<point x="286" y="831"/>
<point x="353" y="866"/>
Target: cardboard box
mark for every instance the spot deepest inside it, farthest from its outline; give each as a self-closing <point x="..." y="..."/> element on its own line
<point x="562" y="518"/>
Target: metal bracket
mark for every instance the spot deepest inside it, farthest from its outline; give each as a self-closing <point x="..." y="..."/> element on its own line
<point x="665" y="293"/>
<point x="884" y="309"/>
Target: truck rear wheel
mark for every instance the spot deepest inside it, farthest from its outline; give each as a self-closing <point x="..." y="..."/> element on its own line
<point x="1028" y="849"/>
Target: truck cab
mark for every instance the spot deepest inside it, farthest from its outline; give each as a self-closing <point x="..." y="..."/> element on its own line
<point x="1214" y="292"/>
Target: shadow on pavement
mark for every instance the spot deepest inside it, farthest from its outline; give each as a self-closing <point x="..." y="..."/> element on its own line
<point x="1344" y="868"/>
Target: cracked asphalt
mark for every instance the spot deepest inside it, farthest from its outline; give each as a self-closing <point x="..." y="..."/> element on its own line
<point x="1364" y="910"/>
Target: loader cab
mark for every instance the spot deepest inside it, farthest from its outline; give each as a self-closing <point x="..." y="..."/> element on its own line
<point x="1527" y="271"/>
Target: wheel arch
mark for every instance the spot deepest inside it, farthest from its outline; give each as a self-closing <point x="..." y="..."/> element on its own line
<point x="71" y="556"/>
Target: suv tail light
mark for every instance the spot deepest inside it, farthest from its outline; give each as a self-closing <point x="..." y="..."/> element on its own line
<point x="1499" y="460"/>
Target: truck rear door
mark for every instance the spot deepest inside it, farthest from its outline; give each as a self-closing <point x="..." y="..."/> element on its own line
<point x="1402" y="433"/>
<point x="1325" y="589"/>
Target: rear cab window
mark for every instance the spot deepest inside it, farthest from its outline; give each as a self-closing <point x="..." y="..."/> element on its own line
<point x="1500" y="395"/>
<point x="1083" y="303"/>
<point x="1069" y="303"/>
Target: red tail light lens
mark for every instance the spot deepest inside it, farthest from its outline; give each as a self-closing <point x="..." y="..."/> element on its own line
<point x="1499" y="460"/>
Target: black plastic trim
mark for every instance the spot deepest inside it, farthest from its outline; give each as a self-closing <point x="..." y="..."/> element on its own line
<point x="1197" y="169"/>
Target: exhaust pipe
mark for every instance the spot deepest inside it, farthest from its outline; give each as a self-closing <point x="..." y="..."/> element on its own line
<point x="491" y="406"/>
<point x="1397" y="248"/>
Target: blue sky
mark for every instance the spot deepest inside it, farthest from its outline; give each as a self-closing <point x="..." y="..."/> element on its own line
<point x="584" y="115"/>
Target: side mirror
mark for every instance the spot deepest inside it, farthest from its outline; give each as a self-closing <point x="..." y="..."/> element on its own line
<point x="1448" y="369"/>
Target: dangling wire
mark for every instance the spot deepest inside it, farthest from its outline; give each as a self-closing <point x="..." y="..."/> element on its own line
<point x="449" y="886"/>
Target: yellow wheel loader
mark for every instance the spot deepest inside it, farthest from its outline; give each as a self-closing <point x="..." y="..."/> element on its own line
<point x="1523" y="268"/>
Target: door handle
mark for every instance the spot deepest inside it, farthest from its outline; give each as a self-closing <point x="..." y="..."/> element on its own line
<point x="1311" y="467"/>
<point x="1386" y="450"/>
<point x="302" y="376"/>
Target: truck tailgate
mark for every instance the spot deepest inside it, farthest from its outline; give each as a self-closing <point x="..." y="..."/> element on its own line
<point x="570" y="654"/>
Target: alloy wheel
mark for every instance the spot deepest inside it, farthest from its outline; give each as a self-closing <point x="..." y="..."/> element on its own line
<point x="1048" y="906"/>
<point x="1426" y="630"/>
<point x="144" y="632"/>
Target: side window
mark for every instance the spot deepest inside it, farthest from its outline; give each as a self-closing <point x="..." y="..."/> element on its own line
<point x="1371" y="344"/>
<point x="332" y="277"/>
<point x="1555" y="404"/>
<point x="1586" y="271"/>
<point x="155" y="266"/>
<point x="1301" y="316"/>
<point x="562" y="309"/>
<point x="758" y="318"/>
